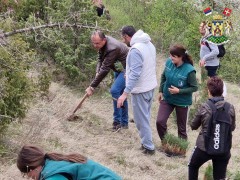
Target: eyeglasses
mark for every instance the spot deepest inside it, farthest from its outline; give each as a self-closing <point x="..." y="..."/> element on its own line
<point x="96" y="43"/>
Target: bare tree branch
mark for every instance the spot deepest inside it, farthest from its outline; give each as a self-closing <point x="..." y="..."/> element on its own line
<point x="62" y="25"/>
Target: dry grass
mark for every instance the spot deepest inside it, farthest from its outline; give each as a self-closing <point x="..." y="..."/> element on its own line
<point x="46" y="126"/>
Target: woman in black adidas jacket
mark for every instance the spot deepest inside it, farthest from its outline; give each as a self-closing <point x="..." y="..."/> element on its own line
<point x="199" y="155"/>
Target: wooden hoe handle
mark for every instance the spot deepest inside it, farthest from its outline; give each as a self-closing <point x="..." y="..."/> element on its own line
<point x="80" y="103"/>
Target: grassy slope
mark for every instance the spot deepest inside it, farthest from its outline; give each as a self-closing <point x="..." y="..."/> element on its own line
<point x="46" y="125"/>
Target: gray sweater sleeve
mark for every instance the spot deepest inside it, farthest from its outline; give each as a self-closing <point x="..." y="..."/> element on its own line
<point x="213" y="53"/>
<point x="135" y="64"/>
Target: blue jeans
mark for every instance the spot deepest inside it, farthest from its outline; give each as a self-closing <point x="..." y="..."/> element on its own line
<point x="120" y="115"/>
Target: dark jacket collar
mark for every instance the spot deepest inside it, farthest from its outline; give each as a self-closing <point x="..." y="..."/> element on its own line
<point x="216" y="99"/>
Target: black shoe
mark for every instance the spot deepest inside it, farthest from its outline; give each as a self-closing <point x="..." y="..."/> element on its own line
<point x="148" y="151"/>
<point x="160" y="149"/>
<point x="142" y="147"/>
<point x="116" y="126"/>
<point x="169" y="154"/>
<point x="124" y="126"/>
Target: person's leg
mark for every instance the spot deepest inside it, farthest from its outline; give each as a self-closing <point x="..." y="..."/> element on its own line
<point x="141" y="111"/>
<point x="197" y="159"/>
<point x="117" y="112"/>
<point x="211" y="70"/>
<point x="182" y="114"/>
<point x="164" y="112"/>
<point x="100" y="11"/>
<point x="120" y="115"/>
<point x="220" y="166"/>
<point x="122" y="82"/>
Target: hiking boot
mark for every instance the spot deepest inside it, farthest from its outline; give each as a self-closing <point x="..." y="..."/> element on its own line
<point x="148" y="151"/>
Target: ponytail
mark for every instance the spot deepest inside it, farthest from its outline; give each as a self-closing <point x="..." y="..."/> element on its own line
<point x="188" y="59"/>
<point x="30" y="157"/>
<point x="76" y="158"/>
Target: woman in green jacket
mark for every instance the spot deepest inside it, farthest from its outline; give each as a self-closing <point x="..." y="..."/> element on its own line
<point x="178" y="82"/>
<point x="33" y="162"/>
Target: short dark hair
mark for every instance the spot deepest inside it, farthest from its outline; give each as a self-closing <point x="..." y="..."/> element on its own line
<point x="128" y="30"/>
<point x="99" y="33"/>
<point x="215" y="86"/>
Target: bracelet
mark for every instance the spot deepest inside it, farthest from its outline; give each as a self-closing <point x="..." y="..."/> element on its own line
<point x="92" y="88"/>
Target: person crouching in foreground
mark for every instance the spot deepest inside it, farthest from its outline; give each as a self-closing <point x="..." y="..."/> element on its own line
<point x="36" y="164"/>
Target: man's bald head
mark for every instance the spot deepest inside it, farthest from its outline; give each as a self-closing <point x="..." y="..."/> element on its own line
<point x="98" y="39"/>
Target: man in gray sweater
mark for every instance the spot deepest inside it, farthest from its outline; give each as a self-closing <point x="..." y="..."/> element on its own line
<point x="140" y="82"/>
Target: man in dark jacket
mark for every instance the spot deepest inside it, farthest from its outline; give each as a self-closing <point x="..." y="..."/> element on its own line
<point x="111" y="51"/>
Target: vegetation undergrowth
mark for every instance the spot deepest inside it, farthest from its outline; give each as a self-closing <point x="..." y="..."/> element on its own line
<point x="208" y="174"/>
<point x="169" y="22"/>
<point x="174" y="145"/>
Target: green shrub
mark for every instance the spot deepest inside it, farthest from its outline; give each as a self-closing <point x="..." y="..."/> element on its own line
<point x="68" y="48"/>
<point x="237" y="176"/>
<point x="208" y="174"/>
<point x="16" y="89"/>
<point x="171" y="22"/>
<point x="44" y="81"/>
<point x="127" y="13"/>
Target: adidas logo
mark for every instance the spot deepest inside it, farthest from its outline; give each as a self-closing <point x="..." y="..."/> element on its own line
<point x="217" y="136"/>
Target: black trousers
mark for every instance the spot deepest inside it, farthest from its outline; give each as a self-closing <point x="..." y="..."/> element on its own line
<point x="199" y="157"/>
<point x="211" y="70"/>
<point x="164" y="112"/>
<point x="100" y="11"/>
